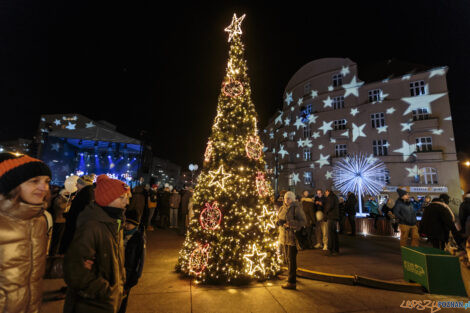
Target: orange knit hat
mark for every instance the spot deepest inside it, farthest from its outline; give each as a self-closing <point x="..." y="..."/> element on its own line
<point x="108" y="189"/>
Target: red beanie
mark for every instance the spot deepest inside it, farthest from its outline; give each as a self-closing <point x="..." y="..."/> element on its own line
<point x="108" y="189"/>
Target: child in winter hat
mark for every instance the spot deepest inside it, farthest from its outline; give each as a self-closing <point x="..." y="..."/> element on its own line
<point x="15" y="170"/>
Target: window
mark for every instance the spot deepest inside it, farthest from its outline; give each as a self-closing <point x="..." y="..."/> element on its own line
<point x="417" y="88"/>
<point x="291" y="136"/>
<point x="429" y="175"/>
<point x="377" y="119"/>
<point x="307" y="131"/>
<point x="338" y="102"/>
<point x="420" y="114"/>
<point x="337" y="80"/>
<point x="424" y="144"/>
<point x="339" y="124"/>
<point x="307" y="88"/>
<point x="341" y="150"/>
<point x="308" y="178"/>
<point x="380" y="147"/>
<point x="306" y="111"/>
<point x="375" y="95"/>
<point x="307" y="154"/>
<point x="383" y="176"/>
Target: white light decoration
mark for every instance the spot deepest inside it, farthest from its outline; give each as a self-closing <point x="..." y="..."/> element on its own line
<point x="295" y="178"/>
<point x="323" y="160"/>
<point x="308" y="143"/>
<point x="320" y="147"/>
<point x="314" y="94"/>
<point x="89" y="125"/>
<point x="449" y="118"/>
<point x="70" y="126"/>
<point x="326" y="127"/>
<point x="345" y="70"/>
<point x="279" y="119"/>
<point x="437" y="72"/>
<point x="357" y="131"/>
<point x="315" y="135"/>
<point x="390" y="110"/>
<point x="298" y="123"/>
<point x="328" y="102"/>
<point x="345" y="134"/>
<point x="312" y="118"/>
<point x="354" y="111"/>
<point x="282" y="152"/>
<point x="406" y="150"/>
<point x="55" y="147"/>
<point x="352" y="88"/>
<point x="235" y="27"/>
<point x="406" y="126"/>
<point x="287" y="122"/>
<point x="255" y="260"/>
<point x="413" y="171"/>
<point x="330" y="88"/>
<point x="267" y="219"/>
<point x="328" y="175"/>
<point x="300" y="143"/>
<point x="359" y="175"/>
<point x="300" y="101"/>
<point x="437" y="131"/>
<point x="406" y="77"/>
<point x="382" y="129"/>
<point x="57" y="122"/>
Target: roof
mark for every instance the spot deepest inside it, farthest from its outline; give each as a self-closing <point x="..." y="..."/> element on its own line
<point x="391" y="68"/>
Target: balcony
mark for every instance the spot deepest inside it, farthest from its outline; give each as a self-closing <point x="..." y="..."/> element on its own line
<point x="425" y="125"/>
<point x="429" y="156"/>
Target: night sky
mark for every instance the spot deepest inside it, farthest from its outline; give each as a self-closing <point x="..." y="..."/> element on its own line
<point x="145" y="66"/>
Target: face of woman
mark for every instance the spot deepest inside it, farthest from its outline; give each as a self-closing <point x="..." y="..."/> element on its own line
<point x="288" y="200"/>
<point x="35" y="190"/>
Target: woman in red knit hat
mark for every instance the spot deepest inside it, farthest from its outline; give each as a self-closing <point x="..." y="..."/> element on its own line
<point x="24" y="187"/>
<point x="94" y="263"/>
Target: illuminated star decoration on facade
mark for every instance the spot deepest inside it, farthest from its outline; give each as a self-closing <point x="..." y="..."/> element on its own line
<point x="314" y="94"/>
<point x="300" y="101"/>
<point x="298" y="123"/>
<point x="289" y="98"/>
<point x="315" y="135"/>
<point x="328" y="102"/>
<point x="390" y="110"/>
<point x="43" y="119"/>
<point x="437" y="72"/>
<point x="55" y="146"/>
<point x="345" y="134"/>
<point x="219" y="177"/>
<point x="406" y="77"/>
<point x="308" y="143"/>
<point x="320" y="147"/>
<point x="354" y="111"/>
<point x="332" y="140"/>
<point x="300" y="143"/>
<point x="267" y="218"/>
<point x="352" y="88"/>
<point x="328" y="175"/>
<point x="330" y="88"/>
<point x="271" y="135"/>
<point x="382" y="129"/>
<point x="357" y="131"/>
<point x="420" y="102"/>
<point x="57" y="122"/>
<point x="282" y="152"/>
<point x="89" y="125"/>
<point x="437" y="131"/>
<point x="449" y="118"/>
<point x="358" y="175"/>
<point x="287" y="122"/>
<point x="255" y="260"/>
<point x="406" y="149"/>
<point x="235" y="28"/>
<point x="345" y="70"/>
<point x="279" y="119"/>
<point x="326" y="127"/>
<point x="323" y="160"/>
<point x="284" y="134"/>
<point x="70" y="126"/>
<point x="295" y="178"/>
<point x="413" y="171"/>
<point x="312" y="118"/>
<point x="406" y="126"/>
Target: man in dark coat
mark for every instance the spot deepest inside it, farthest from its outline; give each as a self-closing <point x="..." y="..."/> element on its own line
<point x="164" y="207"/>
<point x="438" y="221"/>
<point x="350" y="208"/>
<point x="94" y="263"/>
<point x="320" y="226"/>
<point x="464" y="213"/>
<point x="331" y="207"/>
<point x="85" y="195"/>
<point x="139" y="203"/>
<point x="404" y="211"/>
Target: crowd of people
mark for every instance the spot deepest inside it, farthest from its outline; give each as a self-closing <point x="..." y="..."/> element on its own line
<point x="99" y="231"/>
<point x="315" y="221"/>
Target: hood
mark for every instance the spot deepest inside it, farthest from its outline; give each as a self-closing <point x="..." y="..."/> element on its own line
<point x="94" y="212"/>
<point x="20" y="210"/>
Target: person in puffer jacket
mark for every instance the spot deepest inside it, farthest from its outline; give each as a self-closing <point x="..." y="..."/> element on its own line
<point x="24" y="189"/>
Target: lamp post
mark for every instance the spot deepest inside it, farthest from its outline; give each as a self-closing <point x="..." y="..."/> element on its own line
<point x="193" y="168"/>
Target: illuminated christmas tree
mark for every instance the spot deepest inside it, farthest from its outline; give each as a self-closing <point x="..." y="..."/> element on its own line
<point x="232" y="236"/>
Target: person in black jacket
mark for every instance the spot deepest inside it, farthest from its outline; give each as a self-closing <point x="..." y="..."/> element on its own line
<point x="350" y="208"/>
<point x="320" y="224"/>
<point x="464" y="213"/>
<point x="85" y="195"/>
<point x="331" y="207"/>
<point x="438" y="221"/>
<point x="134" y="242"/>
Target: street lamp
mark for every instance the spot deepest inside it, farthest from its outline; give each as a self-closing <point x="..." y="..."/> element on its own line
<point x="467" y="164"/>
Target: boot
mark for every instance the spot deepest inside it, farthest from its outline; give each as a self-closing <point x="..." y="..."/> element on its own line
<point x="289" y="286"/>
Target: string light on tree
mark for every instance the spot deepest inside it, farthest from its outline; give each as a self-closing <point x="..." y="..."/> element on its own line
<point x="233" y="182"/>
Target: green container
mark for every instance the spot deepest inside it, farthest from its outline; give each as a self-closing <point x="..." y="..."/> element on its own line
<point x="434" y="269"/>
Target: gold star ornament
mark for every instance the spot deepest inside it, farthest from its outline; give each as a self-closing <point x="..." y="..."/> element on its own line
<point x="219" y="177"/>
<point x="234" y="28"/>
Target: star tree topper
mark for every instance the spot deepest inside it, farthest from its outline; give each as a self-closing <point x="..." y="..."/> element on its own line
<point x="235" y="28"/>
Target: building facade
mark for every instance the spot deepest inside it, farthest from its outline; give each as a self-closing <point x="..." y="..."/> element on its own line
<point x="396" y="112"/>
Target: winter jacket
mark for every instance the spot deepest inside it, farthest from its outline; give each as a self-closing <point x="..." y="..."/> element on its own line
<point x="99" y="238"/>
<point x="175" y="200"/>
<point x="309" y="209"/>
<point x="134" y="260"/>
<point x="58" y="206"/>
<point x="23" y="246"/>
<point x="83" y="198"/>
<point x="295" y="217"/>
<point x="322" y="200"/>
<point x="185" y="201"/>
<point x="438" y="220"/>
<point x="350" y="204"/>
<point x="164" y="202"/>
<point x="464" y="213"/>
<point x="331" y="207"/>
<point x="405" y="213"/>
<point x="138" y="202"/>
